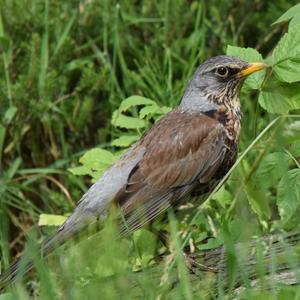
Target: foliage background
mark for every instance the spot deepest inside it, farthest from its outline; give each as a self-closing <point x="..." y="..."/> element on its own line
<point x="66" y="67"/>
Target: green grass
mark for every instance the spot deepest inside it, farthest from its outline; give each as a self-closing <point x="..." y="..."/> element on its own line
<point x="67" y="66"/>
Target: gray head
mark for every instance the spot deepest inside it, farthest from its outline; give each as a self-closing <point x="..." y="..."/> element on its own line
<point x="218" y="81"/>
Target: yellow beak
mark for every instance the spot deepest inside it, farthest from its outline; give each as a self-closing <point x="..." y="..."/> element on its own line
<point x="251" y="68"/>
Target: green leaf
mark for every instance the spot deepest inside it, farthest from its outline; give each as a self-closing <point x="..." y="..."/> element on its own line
<point x="288" y="195"/>
<point x="295" y="21"/>
<point x="292" y="132"/>
<point x="258" y="201"/>
<point x="51" y="220"/>
<point x="295" y="148"/>
<point x="145" y="243"/>
<point x="94" y="162"/>
<point x="7" y="296"/>
<point x="97" y="157"/>
<point x="125" y="140"/>
<point x="148" y="110"/>
<point x="288" y="70"/>
<point x="286" y="56"/>
<point x="271" y="169"/>
<point x="280" y="98"/>
<point x="80" y="171"/>
<point x="135" y="101"/>
<point x="9" y="114"/>
<point x="165" y="109"/>
<point x="210" y="244"/>
<point x="251" y="55"/>
<point x="122" y="121"/>
<point x="289" y="14"/>
<point x="13" y="168"/>
<point x="223" y="196"/>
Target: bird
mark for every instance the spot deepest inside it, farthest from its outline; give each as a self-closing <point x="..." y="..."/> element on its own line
<point x="187" y="151"/>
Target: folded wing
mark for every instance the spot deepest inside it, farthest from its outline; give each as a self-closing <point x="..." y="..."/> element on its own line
<point x="181" y="151"/>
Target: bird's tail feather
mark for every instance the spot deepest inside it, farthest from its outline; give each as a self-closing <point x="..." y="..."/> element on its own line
<point x="21" y="267"/>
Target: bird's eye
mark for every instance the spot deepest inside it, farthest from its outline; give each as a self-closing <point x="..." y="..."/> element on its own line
<point x="222" y="71"/>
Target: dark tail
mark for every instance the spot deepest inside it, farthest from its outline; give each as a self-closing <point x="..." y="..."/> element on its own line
<point x="10" y="275"/>
<point x="21" y="267"/>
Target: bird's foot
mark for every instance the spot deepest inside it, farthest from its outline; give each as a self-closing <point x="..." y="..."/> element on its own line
<point x="194" y="266"/>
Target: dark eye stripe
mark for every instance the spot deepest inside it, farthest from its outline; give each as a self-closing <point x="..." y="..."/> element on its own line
<point x="230" y="71"/>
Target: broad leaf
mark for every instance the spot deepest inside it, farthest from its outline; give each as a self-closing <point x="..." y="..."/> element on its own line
<point x="125" y="140"/>
<point x="280" y="98"/>
<point x="295" y="21"/>
<point x="286" y="56"/>
<point x="271" y="169"/>
<point x="295" y="148"/>
<point x="289" y="14"/>
<point x="135" y="101"/>
<point x="288" y="70"/>
<point x="122" y="121"/>
<point x="165" y="109"/>
<point x="148" y="110"/>
<point x="251" y="55"/>
<point x="51" y="220"/>
<point x="94" y="163"/>
<point x="145" y="243"/>
<point x="288" y="195"/>
<point x="223" y="197"/>
<point x="97" y="157"/>
<point x="80" y="171"/>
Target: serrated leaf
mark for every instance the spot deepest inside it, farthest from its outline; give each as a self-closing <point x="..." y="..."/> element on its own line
<point x="148" y="110"/>
<point x="122" y="121"/>
<point x="271" y="169"/>
<point x="251" y="55"/>
<point x="96" y="157"/>
<point x="288" y="194"/>
<point x="223" y="196"/>
<point x="125" y="140"/>
<point x="288" y="70"/>
<point x="289" y="14"/>
<point x="81" y="170"/>
<point x="286" y="56"/>
<point x="134" y="101"/>
<point x="295" y="21"/>
<point x="94" y="163"/>
<point x="165" y="109"/>
<point x="280" y="98"/>
<point x="295" y="148"/>
<point x="51" y="220"/>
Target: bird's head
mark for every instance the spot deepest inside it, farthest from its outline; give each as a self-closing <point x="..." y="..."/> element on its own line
<point x="218" y="80"/>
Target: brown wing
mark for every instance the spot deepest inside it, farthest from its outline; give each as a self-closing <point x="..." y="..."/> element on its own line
<point x="181" y="150"/>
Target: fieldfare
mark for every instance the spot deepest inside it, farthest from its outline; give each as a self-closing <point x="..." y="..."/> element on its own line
<point x="188" y="150"/>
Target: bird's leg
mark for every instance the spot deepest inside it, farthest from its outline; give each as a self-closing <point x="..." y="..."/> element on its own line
<point x="194" y="266"/>
<point x="190" y="258"/>
<point x="164" y="238"/>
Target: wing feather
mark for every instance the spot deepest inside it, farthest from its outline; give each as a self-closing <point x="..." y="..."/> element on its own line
<point x="181" y="151"/>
